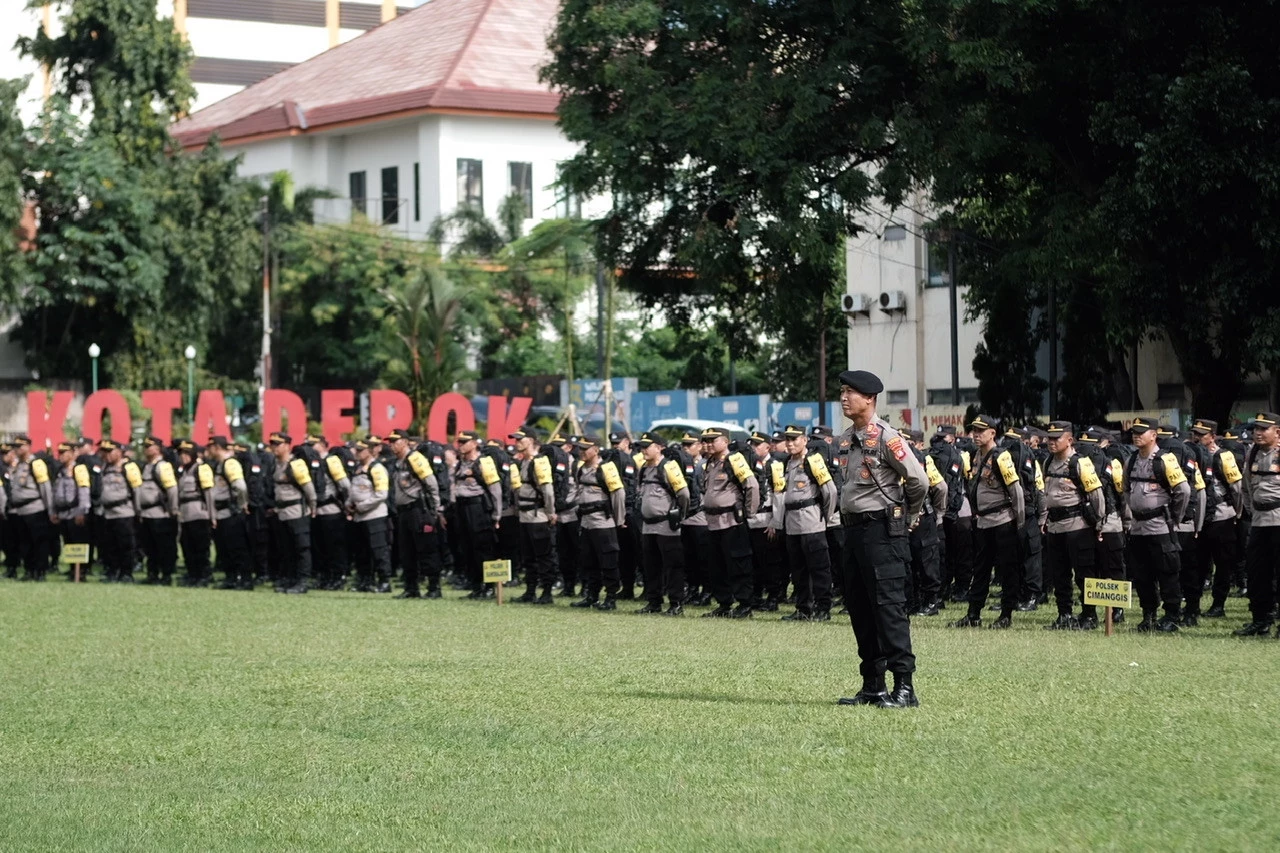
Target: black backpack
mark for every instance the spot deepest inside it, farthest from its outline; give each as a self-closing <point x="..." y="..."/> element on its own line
<point x="502" y="461"/>
<point x="258" y="469"/>
<point x="1101" y="465"/>
<point x="93" y="463"/>
<point x="319" y="477"/>
<point x="629" y="473"/>
<point x="561" y="470"/>
<point x="1025" y="461"/>
<point x="434" y="453"/>
<point x="950" y="464"/>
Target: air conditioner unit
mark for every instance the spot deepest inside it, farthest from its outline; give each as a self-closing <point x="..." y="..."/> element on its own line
<point x="893" y="300"/>
<point x="855" y="303"/>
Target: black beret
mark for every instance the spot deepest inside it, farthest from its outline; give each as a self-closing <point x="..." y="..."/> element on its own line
<point x="862" y="381"/>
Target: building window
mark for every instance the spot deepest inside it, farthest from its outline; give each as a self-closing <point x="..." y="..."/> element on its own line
<point x="470" y="183"/>
<point x="939" y="274"/>
<point x="390" y="195"/>
<point x="521" y="175"/>
<point x="356" y="192"/>
<point x="942" y="396"/>
<point x="898" y="398"/>
<point x="417" y="193"/>
<point x="568" y="205"/>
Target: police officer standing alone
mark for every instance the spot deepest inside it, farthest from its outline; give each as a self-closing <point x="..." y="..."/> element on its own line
<point x="883" y="494"/>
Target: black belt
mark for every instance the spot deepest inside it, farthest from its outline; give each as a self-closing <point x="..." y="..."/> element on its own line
<point x="992" y="510"/>
<point x="723" y="510"/>
<point x="326" y="502"/>
<point x="588" y="509"/>
<point x="654" y="519"/>
<point x="790" y="505"/>
<point x="222" y="504"/>
<point x="107" y="505"/>
<point x="1266" y="506"/>
<point x="1062" y="513"/>
<point x="288" y="504"/>
<point x="850" y="519"/>
<point x="1148" y="514"/>
<point x="414" y="504"/>
<point x="195" y="499"/>
<point x="467" y="500"/>
<point x="25" y="503"/>
<point x="61" y="507"/>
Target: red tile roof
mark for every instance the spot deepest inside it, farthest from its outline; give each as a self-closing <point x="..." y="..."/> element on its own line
<point x="472" y="55"/>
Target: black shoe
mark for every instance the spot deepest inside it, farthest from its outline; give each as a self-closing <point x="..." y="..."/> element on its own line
<point x="528" y="598"/>
<point x="1148" y="623"/>
<point x="927" y="610"/>
<point x="872" y="693"/>
<point x="1064" y="622"/>
<point x="820" y="616"/>
<point x="487" y="592"/>
<point x="296" y="589"/>
<point x="967" y="621"/>
<point x="607" y="604"/>
<point x="798" y="616"/>
<point x="741" y="612"/>
<point x="568" y="592"/>
<point x="382" y="587"/>
<point x="652" y="608"/>
<point x="1254" y="629"/>
<point x="1167" y="625"/>
<point x="903" y="696"/>
<point x="1087" y="623"/>
<point x="1215" y="612"/>
<point x="477" y="594"/>
<point x="545" y="598"/>
<point x="410" y="594"/>
<point x="1028" y="606"/>
<point x="627" y="595"/>
<point x="584" y="602"/>
<point x="673" y="610"/>
<point x="434" y="593"/>
<point x="720" y="612"/>
<point x="768" y="606"/>
<point x="843" y="611"/>
<point x="701" y="600"/>
<point x="1002" y="623"/>
<point x="228" y="585"/>
<point x="1190" y="620"/>
<point x="1117" y="615"/>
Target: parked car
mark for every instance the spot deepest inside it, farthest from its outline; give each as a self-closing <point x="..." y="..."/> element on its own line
<point x="674" y="429"/>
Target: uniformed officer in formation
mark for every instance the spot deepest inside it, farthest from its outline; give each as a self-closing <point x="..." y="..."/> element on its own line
<point x="367" y="506"/>
<point x="119" y="507"/>
<point x="804" y="496"/>
<point x="417" y="503"/>
<point x="329" y="527"/>
<point x="231" y="515"/>
<point x="1157" y="491"/>
<point x="884" y="492"/>
<point x="31" y="510"/>
<point x="1075" y="511"/>
<point x="197" y="511"/>
<point x="1262" y="500"/>
<point x="730" y="490"/>
<point x="768" y="553"/>
<point x="295" y="506"/>
<point x="925" y="595"/>
<point x="158" y="497"/>
<point x="71" y="501"/>
<point x="477" y="497"/>
<point x="1000" y="508"/>
<point x="602" y="513"/>
<point x="664" y="502"/>
<point x="1217" y="541"/>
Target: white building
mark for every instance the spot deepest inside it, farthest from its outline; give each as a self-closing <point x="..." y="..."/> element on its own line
<point x="438" y="107"/>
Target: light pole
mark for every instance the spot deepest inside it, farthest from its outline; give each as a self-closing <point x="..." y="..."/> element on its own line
<point x="190" y="353"/>
<point x="94" y="352"/>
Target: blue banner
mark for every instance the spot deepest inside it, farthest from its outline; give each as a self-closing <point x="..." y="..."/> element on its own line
<point x="649" y="406"/>
<point x="749" y="412"/>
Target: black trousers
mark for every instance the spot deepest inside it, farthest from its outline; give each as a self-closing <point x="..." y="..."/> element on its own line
<point x="835" y="548"/>
<point x="195" y="538"/>
<point x="629" y="550"/>
<point x="1216" y="558"/>
<point x="568" y="552"/>
<point x="232" y="541"/>
<point x="292" y="540"/>
<point x="1153" y="562"/>
<point x="537" y="555"/>
<point x="957" y="573"/>
<point x="419" y="547"/>
<point x="875" y="591"/>
<point x="477" y="540"/>
<point x="731" y="570"/>
<point x="1262" y="557"/>
<point x="118" y="547"/>
<point x="600" y="555"/>
<point x="509" y="543"/>
<point x="998" y="552"/>
<point x="33" y="534"/>
<point x="809" y="557"/>
<point x="926" y="567"/>
<point x="262" y="554"/>
<point x="663" y="568"/>
<point x="697" y="557"/>
<point x="160" y="544"/>
<point x="1033" y="561"/>
<point x="770" y="566"/>
<point x="1071" y="557"/>
<point x="329" y="538"/>
<point x="373" y="561"/>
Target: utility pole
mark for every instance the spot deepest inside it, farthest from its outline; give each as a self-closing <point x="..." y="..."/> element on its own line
<point x="822" y="360"/>
<point x="600" y="319"/>
<point x="955" y="318"/>
<point x="266" y="309"/>
<point x="1053" y="351"/>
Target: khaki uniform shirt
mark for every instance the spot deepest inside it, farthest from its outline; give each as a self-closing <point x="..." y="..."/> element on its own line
<point x="593" y="491"/>
<point x="727" y="497"/>
<point x="158" y="501"/>
<point x="1262" y="486"/>
<point x="230" y="491"/>
<point x="367" y="493"/>
<point x="1061" y="492"/>
<point x="656" y="502"/>
<point x="880" y="471"/>
<point x="790" y="512"/>
<point x="195" y="493"/>
<point x="1146" y="496"/>
<point x="30" y="488"/>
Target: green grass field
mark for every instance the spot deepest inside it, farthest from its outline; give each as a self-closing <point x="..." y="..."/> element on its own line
<point x="139" y="718"/>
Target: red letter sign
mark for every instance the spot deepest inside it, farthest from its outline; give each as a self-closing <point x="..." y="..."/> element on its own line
<point x="104" y="401"/>
<point x="211" y="417"/>
<point x="504" y="421"/>
<point x="45" y="423"/>
<point x="293" y="407"/>
<point x="438" y="423"/>
<point x="389" y="410"/>
<point x="333" y="423"/>
<point x="162" y="405"/>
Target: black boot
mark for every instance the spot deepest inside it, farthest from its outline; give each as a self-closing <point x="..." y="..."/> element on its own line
<point x="903" y="695"/>
<point x="871" y="692"/>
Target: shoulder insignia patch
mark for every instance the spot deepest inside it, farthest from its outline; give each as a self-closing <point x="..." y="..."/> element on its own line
<point x="896" y="447"/>
<point x="675" y="476"/>
<point x="1230" y="470"/>
<point x="612" y="481"/>
<point x="1173" y="471"/>
<point x="81" y="474"/>
<point x="1089" y="475"/>
<point x="378" y="475"/>
<point x="232" y="471"/>
<point x="301" y="472"/>
<point x="337" y="471"/>
<point x="1008" y="471"/>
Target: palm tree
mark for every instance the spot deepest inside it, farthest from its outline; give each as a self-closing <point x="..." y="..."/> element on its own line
<point x="423" y="309"/>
